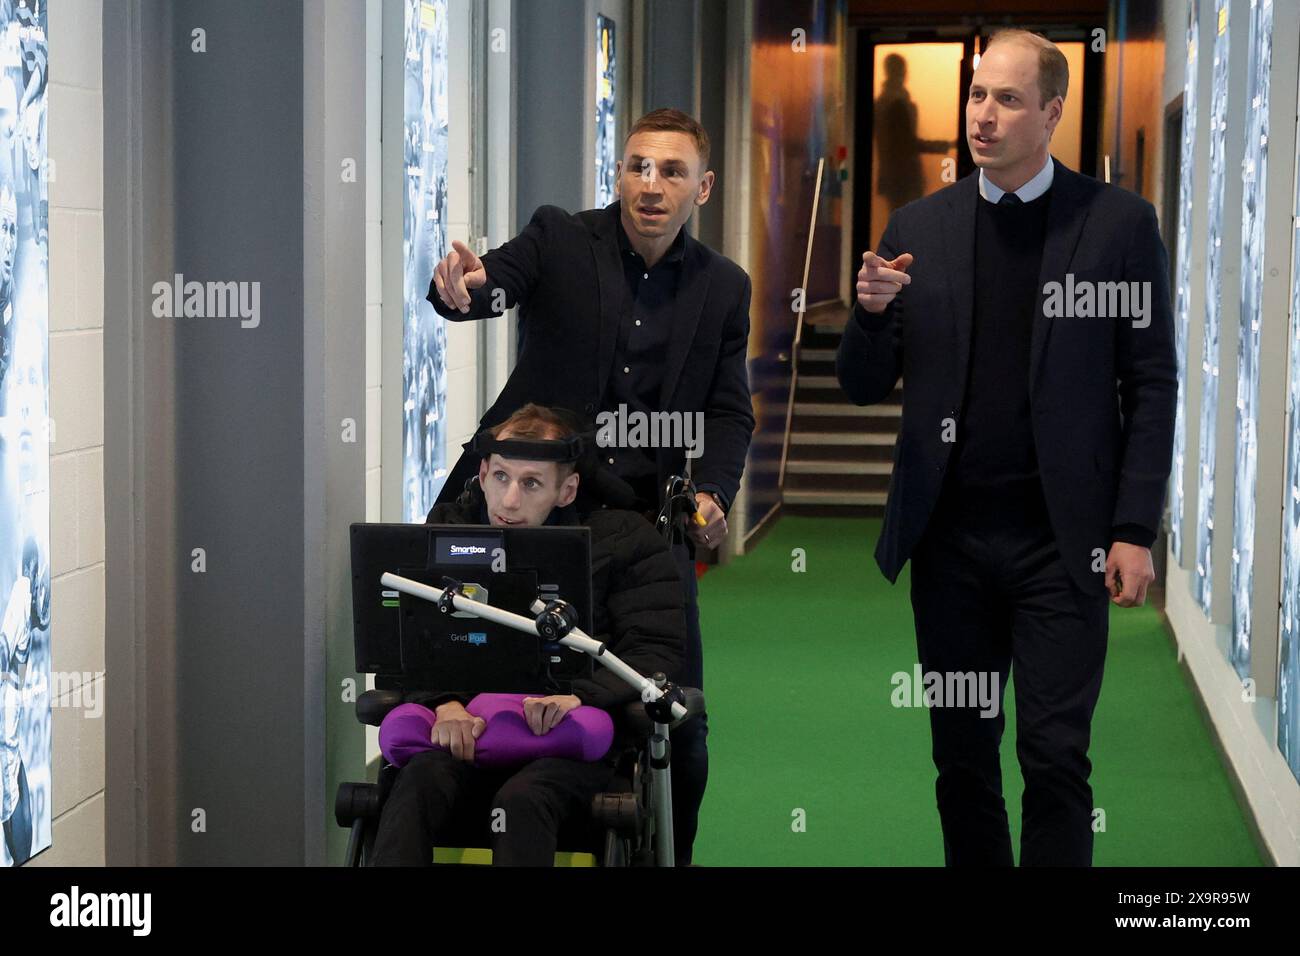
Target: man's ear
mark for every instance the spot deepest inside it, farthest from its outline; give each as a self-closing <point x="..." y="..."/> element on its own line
<point x="706" y="188"/>
<point x="568" y="491"/>
<point x="618" y="179"/>
<point x="483" y="471"/>
<point x="1055" y="109"/>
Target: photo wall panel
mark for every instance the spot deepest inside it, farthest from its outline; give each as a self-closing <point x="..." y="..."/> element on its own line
<point x="1254" y="176"/>
<point x="424" y="243"/>
<point x="607" y="146"/>
<point x="1182" y="292"/>
<point x="26" y="690"/>
<point x="1203" y="571"/>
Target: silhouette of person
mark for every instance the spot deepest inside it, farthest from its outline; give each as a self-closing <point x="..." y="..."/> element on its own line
<point x="898" y="150"/>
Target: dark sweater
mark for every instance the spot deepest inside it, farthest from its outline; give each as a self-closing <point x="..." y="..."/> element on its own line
<point x="993" y="460"/>
<point x="994" y="453"/>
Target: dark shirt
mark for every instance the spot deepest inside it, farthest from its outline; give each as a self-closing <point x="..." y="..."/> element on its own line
<point x="645" y="324"/>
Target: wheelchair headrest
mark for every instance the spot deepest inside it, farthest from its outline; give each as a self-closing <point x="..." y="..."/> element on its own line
<point x="562" y="450"/>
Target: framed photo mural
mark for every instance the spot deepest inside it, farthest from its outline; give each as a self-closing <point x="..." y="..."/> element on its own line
<point x="25" y="688"/>
<point x="607" y="151"/>
<point x="1182" y="295"/>
<point x="1288" y="676"/>
<point x="424" y="242"/>
<point x="1203" y="570"/>
<point x="1254" y="176"/>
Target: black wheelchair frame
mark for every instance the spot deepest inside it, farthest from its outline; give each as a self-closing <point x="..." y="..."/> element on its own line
<point x="619" y="832"/>
<point x="623" y="818"/>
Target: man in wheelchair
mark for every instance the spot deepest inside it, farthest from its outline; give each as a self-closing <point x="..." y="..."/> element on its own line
<point x="637" y="610"/>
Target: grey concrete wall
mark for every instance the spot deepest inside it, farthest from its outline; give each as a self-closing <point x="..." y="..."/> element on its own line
<point x="673" y="35"/>
<point x="239" y="723"/>
<point x="334" y="402"/>
<point x="713" y="114"/>
<point x="550" y="38"/>
<point x="238" y="155"/>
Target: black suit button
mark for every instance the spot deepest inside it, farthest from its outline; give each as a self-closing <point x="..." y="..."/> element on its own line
<point x="590" y="408"/>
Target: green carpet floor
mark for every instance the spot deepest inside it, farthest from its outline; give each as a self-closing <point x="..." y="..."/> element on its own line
<point x="800" y="719"/>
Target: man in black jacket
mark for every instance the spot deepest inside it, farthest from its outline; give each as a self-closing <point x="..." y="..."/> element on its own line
<point x="625" y="317"/>
<point x="1027" y="310"/>
<point x="636" y="611"/>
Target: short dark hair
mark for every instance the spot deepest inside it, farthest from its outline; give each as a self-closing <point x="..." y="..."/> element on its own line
<point x="541" y="423"/>
<point x="1053" y="69"/>
<point x="674" y="121"/>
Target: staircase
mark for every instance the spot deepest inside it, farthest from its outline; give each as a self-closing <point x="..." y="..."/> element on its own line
<point x="840" y="454"/>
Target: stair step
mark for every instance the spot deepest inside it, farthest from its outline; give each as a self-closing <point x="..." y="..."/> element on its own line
<point x="819" y="381"/>
<point x="841" y="438"/>
<point x="836" y="482"/>
<point x="821" y="466"/>
<point x="848" y="410"/>
<point x="813" y="369"/>
<point x="815" y="497"/>
<point x="817" y="355"/>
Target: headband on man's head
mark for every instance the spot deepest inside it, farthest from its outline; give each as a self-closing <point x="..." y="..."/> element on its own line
<point x="562" y="450"/>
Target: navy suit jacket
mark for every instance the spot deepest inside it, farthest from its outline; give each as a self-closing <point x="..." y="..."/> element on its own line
<point x="1102" y="392"/>
<point x="565" y="274"/>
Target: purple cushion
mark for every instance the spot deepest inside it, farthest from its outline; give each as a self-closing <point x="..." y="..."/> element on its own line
<point x="584" y="733"/>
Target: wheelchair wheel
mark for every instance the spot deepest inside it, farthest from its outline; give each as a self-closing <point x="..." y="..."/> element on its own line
<point x="356" y="808"/>
<point x="616" y="849"/>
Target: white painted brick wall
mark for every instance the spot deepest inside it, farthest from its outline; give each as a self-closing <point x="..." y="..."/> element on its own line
<point x="76" y="110"/>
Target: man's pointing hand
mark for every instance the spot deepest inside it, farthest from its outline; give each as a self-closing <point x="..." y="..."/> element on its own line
<point x="879" y="280"/>
<point x="458" y="274"/>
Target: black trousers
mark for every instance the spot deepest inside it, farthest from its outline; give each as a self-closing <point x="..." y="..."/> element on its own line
<point x="690" y="748"/>
<point x="521" y="809"/>
<point x="991" y="595"/>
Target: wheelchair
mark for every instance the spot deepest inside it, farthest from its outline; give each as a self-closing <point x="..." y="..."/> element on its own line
<point x="627" y="822"/>
<point x="621" y="828"/>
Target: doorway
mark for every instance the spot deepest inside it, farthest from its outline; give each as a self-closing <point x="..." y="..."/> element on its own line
<point x="909" y="123"/>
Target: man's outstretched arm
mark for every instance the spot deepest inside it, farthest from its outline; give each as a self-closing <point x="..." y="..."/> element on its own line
<point x="870" y="357"/>
<point x="466" y="287"/>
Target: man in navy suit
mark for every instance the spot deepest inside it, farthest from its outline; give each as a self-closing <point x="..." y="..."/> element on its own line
<point x="625" y="314"/>
<point x="1027" y="311"/>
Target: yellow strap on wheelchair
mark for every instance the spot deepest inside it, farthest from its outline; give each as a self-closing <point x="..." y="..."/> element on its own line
<point x="482" y="856"/>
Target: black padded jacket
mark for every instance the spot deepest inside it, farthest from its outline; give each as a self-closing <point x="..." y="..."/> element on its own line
<point x="637" y="600"/>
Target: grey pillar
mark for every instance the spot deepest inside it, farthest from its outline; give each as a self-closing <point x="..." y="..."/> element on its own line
<point x="671" y="55"/>
<point x="232" y="605"/>
<point x="334" y="401"/>
<point x="550" y="38"/>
